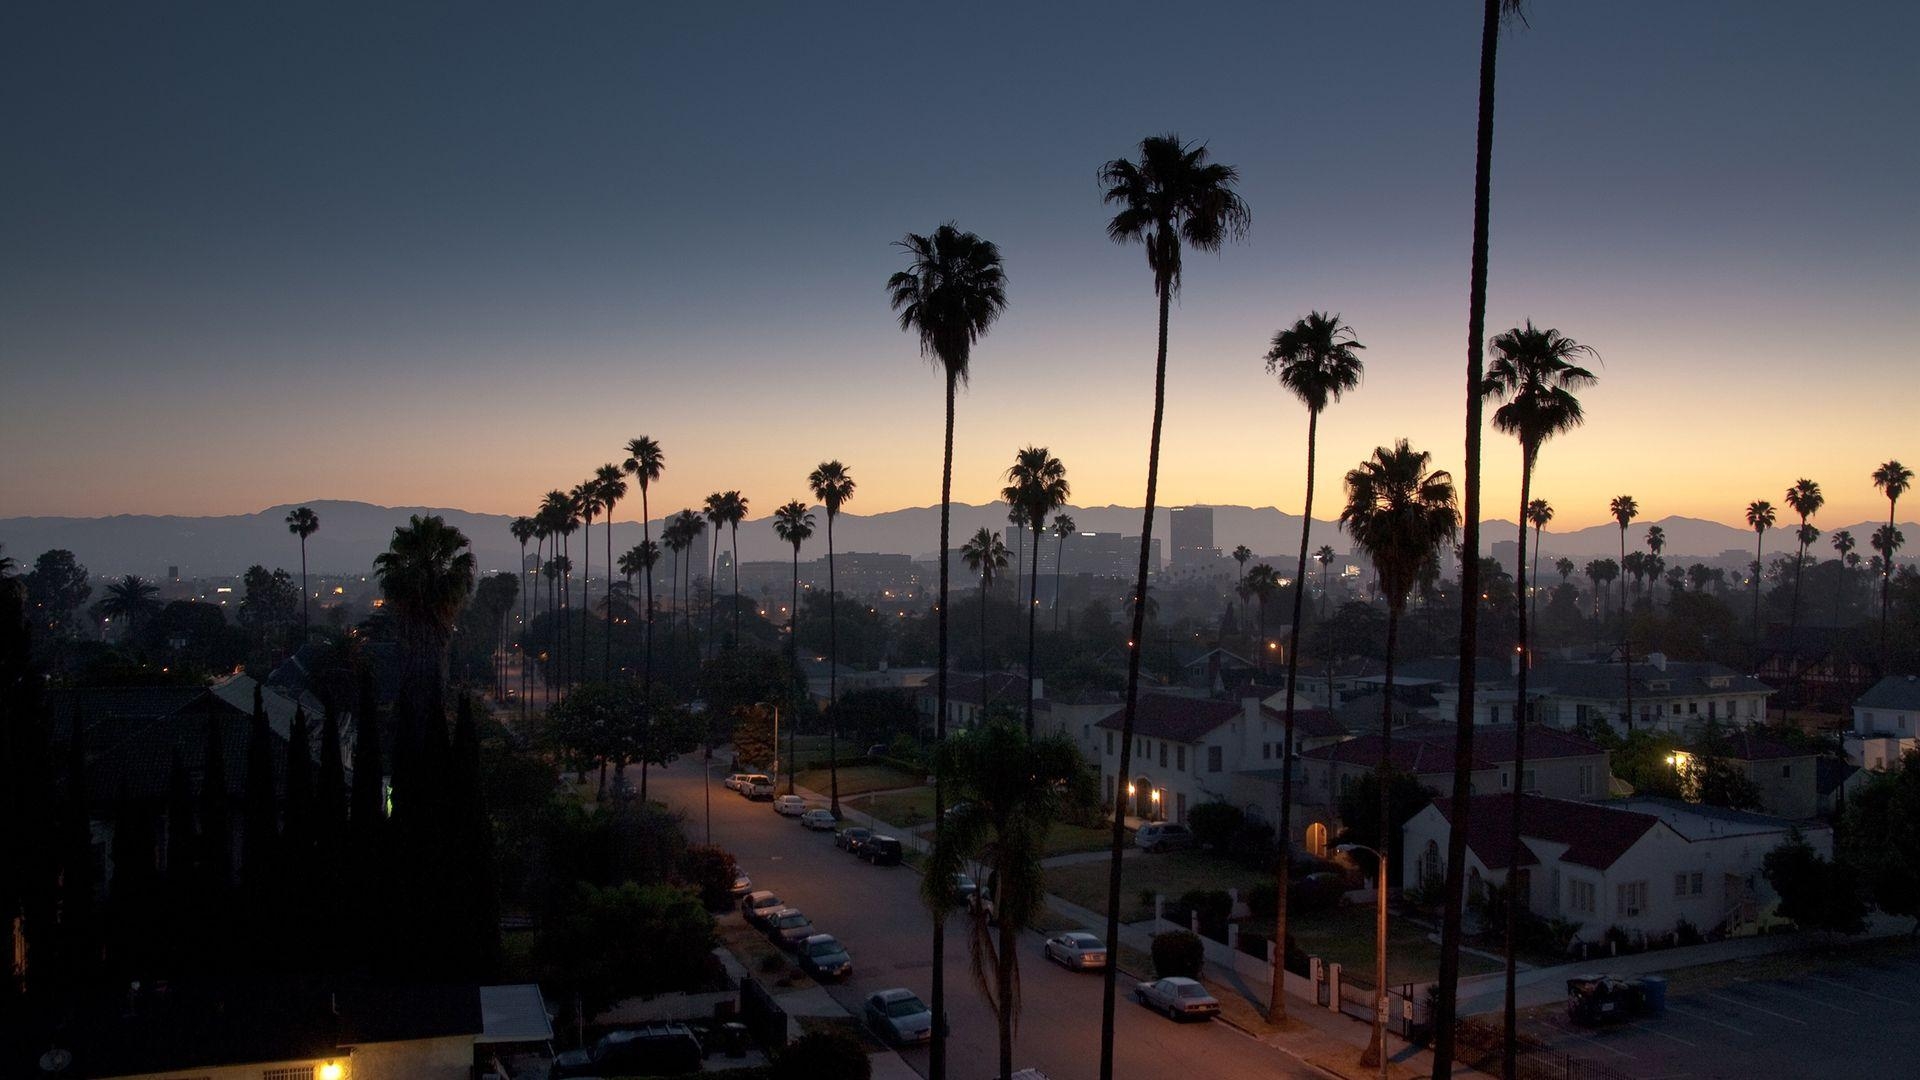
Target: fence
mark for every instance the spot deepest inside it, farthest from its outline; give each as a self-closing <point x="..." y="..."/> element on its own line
<point x="766" y="1021"/>
<point x="1537" y="1065"/>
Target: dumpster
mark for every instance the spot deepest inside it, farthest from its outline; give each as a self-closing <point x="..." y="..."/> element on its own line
<point x="1602" y="999"/>
<point x="1653" y="994"/>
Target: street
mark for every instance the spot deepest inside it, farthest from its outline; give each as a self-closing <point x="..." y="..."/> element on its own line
<point x="876" y="912"/>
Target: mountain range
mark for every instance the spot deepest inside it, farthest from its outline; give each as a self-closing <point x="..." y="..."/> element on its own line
<point x="351" y="533"/>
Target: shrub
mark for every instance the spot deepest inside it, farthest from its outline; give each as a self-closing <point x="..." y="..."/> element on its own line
<point x="1252" y="845"/>
<point x="1254" y="944"/>
<point x="1685" y="933"/>
<point x="1212" y="908"/>
<point x="1214" y="823"/>
<point x="710" y="870"/>
<point x="1261" y="900"/>
<point x="1177" y="952"/>
<point x="823" y="1055"/>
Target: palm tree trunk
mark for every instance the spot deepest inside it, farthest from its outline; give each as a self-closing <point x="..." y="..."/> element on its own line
<point x="1059" y="558"/>
<point x="937" y="1061"/>
<point x="1033" y="615"/>
<point x="793" y="648"/>
<point x="833" y="682"/>
<point x="1136" y="646"/>
<point x="734" y="529"/>
<point x="1759" y="540"/>
<point x="1533" y="601"/>
<point x="1886" y="583"/>
<point x="1283" y="873"/>
<point x="983" y="640"/>
<point x="304" y="592"/>
<point x="1449" y="976"/>
<point x="606" y="663"/>
<point x="1509" y="1017"/>
<point x="1375" y="1048"/>
<point x="1793" y="623"/>
<point x="713" y="598"/>
<point x="1626" y="634"/>
<point x="521" y="580"/>
<point x="646" y="543"/>
<point x="1004" y="965"/>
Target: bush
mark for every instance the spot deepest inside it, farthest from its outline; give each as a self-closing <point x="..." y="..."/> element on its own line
<point x="1177" y="952"/>
<point x="1252" y="845"/>
<point x="1254" y="944"/>
<point x="1214" y="823"/>
<point x="1685" y="933"/>
<point x="1212" y="907"/>
<point x="710" y="870"/>
<point x="823" y="1055"/>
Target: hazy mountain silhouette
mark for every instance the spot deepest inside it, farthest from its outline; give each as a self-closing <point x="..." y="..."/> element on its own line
<point x="352" y="533"/>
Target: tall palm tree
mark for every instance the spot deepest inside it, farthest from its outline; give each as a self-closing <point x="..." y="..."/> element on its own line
<point x="1261" y="582"/>
<point x="1892" y="479"/>
<point x="833" y="485"/>
<point x="523" y="530"/>
<point x="1843" y="545"/>
<point x="1759" y="519"/>
<point x="645" y="462"/>
<point x="1399" y="514"/>
<point x="1241" y="555"/>
<point x="716" y="511"/>
<point x="1011" y="784"/>
<point x="1063" y="527"/>
<point x="303" y="522"/>
<point x="1324" y="557"/>
<point x="131" y="598"/>
<point x="586" y="496"/>
<point x="559" y="511"/>
<point x="1017" y="518"/>
<point x="1494" y="14"/>
<point x="985" y="555"/>
<point x="793" y="524"/>
<point x="1170" y="199"/>
<point x="1037" y="486"/>
<point x="952" y="290"/>
<point x="678" y="536"/>
<point x="1656" y="542"/>
<point x="736" y="513"/>
<point x="1317" y="360"/>
<point x="1539" y="515"/>
<point x="1534" y="374"/>
<point x="609" y="487"/>
<point x="692" y="523"/>
<point x="1624" y="509"/>
<point x="1565" y="568"/>
<point x="1886" y="540"/>
<point x="1804" y="499"/>
<point x="426" y="574"/>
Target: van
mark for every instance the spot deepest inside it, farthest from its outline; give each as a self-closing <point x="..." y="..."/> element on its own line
<point x="1163" y="836"/>
<point x="881" y="850"/>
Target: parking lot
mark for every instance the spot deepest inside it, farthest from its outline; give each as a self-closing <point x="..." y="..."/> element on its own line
<point x="1852" y="1014"/>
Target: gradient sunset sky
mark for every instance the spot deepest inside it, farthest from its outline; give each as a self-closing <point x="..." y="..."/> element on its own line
<point x="457" y="255"/>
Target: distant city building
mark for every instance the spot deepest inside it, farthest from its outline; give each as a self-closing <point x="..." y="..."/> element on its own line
<point x="1507" y="554"/>
<point x="1193" y="538"/>
<point x="1096" y="554"/>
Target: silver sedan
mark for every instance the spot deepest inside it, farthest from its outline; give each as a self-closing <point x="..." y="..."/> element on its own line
<point x="1179" y="998"/>
<point x="1078" y="951"/>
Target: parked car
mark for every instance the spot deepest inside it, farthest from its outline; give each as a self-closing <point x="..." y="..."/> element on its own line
<point x="818" y="818"/>
<point x="878" y="749"/>
<point x="965" y="886"/>
<point x="1163" y="836"/>
<point x="742" y="884"/>
<point x="823" y="957"/>
<point x="788" y="927"/>
<point x="1077" y="950"/>
<point x="790" y="805"/>
<point x="758" y="906"/>
<point x="881" y="850"/>
<point x="899" y="1017"/>
<point x="653" y="1050"/>
<point x="1180" y="998"/>
<point x="737" y="781"/>
<point x="850" y="839"/>
<point x="757" y="787"/>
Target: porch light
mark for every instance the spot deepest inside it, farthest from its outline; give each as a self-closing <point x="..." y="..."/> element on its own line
<point x="1156" y="794"/>
<point x="1129" y="787"/>
<point x="331" y="1071"/>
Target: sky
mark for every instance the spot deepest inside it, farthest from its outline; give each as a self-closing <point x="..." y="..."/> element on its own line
<point x="457" y="255"/>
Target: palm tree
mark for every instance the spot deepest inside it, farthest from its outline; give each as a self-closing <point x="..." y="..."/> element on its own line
<point x="953" y="289"/>
<point x="833" y="485"/>
<point x="1892" y="479"/>
<point x="793" y="524"/>
<point x="716" y="512"/>
<point x="645" y="462"/>
<point x="1539" y="515"/>
<point x="1843" y="545"/>
<point x="736" y="513"/>
<point x="1564" y="567"/>
<point x="1656" y="543"/>
<point x="1324" y="557"/>
<point x="1036" y="486"/>
<point x="609" y="487"/>
<point x="1886" y="540"/>
<point x="1063" y="527"/>
<point x="523" y="529"/>
<point x="985" y="555"/>
<point x="1494" y="15"/>
<point x="1759" y="519"/>
<point x="1399" y="514"/>
<point x="558" y="511"/>
<point x="303" y="522"/>
<point x="1260" y="583"/>
<point x="131" y="598"/>
<point x="1017" y="518"/>
<point x="1172" y="198"/>
<point x="1533" y="372"/>
<point x="1317" y="360"/>
<point x="1624" y="509"/>
<point x="426" y="574"/>
<point x="1803" y="498"/>
<point x="1011" y="784"/>
<point x="586" y="496"/>
<point x="678" y="536"/>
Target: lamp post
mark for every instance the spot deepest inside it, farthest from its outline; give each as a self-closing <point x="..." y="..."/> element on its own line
<point x="1379" y="949"/>
<point x="776" y="748"/>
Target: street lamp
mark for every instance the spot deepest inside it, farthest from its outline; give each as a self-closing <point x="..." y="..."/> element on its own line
<point x="1379" y="948"/>
<point x="776" y="747"/>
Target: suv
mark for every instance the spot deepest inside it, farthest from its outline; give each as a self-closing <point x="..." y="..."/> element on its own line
<point x="757" y="786"/>
<point x="1163" y="836"/>
<point x="653" y="1050"/>
<point x="881" y="850"/>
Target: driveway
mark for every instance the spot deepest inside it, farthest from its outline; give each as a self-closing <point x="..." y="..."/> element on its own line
<point x="877" y="913"/>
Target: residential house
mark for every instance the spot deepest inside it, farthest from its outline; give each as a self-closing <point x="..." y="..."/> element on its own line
<point x="1640" y="864"/>
<point x="1075" y="716"/>
<point x="969" y="695"/>
<point x="1786" y="776"/>
<point x="1190" y="750"/>
<point x="1886" y="723"/>
<point x="1671" y="696"/>
<point x="1822" y="666"/>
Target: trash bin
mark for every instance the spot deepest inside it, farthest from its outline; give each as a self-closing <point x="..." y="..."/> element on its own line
<point x="733" y="1036"/>
<point x="1653" y="992"/>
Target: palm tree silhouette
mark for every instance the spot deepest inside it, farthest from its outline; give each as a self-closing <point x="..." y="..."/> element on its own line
<point x="736" y="505"/>
<point x="715" y="510"/>
<point x="1172" y="198"/>
<point x="793" y="524"/>
<point x="1317" y="360"/>
<point x="1539" y="515"/>
<point x="1017" y="518"/>
<point x="1843" y="545"/>
<point x="1803" y="498"/>
<point x="523" y="530"/>
<point x="1494" y="14"/>
<point x="986" y="555"/>
<point x="1063" y="527"/>
<point x="645" y="462"/>
<point x="1624" y="509"/>
<point x="586" y="497"/>
<point x="1892" y="479"/>
<point x="1261" y="583"/>
<point x="558" y="511"/>
<point x="1759" y="519"/>
<point x="1656" y="541"/>
<point x="426" y="574"/>
<point x="679" y="535"/>
<point x="1399" y="514"/>
<point x="833" y="485"/>
<point x="1534" y="374"/>
<point x="1324" y="557"/>
<point x="609" y="487"/>
<point x="303" y="522"/>
<point x="1037" y="486"/>
<point x="953" y="289"/>
<point x="1241" y="554"/>
<point x="131" y="598"/>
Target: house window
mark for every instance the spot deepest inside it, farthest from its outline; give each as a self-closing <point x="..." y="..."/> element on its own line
<point x="1580" y="896"/>
<point x="1786" y="772"/>
<point x="1527" y="781"/>
<point x="1213" y="759"/>
<point x="1696" y="884"/>
<point x="1163" y="753"/>
<point x="1679" y="885"/>
<point x="1630" y="899"/>
<point x="1266" y="751"/>
<point x="1179" y="806"/>
<point x="1109" y="744"/>
<point x="1586" y="779"/>
<point x="1693" y="708"/>
<point x="1180" y="757"/>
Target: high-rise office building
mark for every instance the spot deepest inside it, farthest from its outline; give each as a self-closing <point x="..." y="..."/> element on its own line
<point x="1192" y="539"/>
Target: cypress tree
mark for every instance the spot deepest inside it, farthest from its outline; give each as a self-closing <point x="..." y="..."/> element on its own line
<point x="213" y="945"/>
<point x="260" y="835"/>
<point x="472" y="851"/>
<point x="78" y="924"/>
<point x="29" y="870"/>
<point x="330" y="796"/>
<point x="182" y="876"/>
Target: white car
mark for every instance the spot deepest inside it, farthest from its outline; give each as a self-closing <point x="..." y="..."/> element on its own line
<point x="737" y="781"/>
<point x="1077" y="950"/>
<point x="742" y="884"/>
<point x="757" y="787"/>
<point x="790" y="805"/>
<point x="1179" y="998"/>
<point x="819" y="819"/>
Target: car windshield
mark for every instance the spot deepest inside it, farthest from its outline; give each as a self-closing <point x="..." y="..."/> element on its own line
<point x="1190" y="990"/>
<point x="787" y="922"/>
<point x="823" y="948"/>
<point x="908" y="1006"/>
<point x="768" y="902"/>
<point x="1084" y="941"/>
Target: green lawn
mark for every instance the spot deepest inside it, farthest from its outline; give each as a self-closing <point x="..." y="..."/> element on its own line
<point x="902" y="809"/>
<point x="1172" y="874"/>
<point x="1065" y="839"/>
<point x="858" y="779"/>
<point x="1346" y="936"/>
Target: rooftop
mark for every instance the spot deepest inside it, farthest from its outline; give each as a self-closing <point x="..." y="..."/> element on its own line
<point x="1892" y="692"/>
<point x="1173" y="717"/>
<point x="1594" y="834"/>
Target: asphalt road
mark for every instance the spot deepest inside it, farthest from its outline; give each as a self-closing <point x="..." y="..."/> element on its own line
<point x="876" y="913"/>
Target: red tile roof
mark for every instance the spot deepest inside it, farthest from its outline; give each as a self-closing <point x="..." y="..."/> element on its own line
<point x="1169" y="716"/>
<point x="1595" y="835"/>
<point x="1409" y="755"/>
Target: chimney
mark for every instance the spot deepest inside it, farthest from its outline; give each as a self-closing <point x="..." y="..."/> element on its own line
<point x="1513" y="664"/>
<point x="1658" y="660"/>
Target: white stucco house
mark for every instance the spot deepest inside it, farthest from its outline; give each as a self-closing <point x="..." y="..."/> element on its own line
<point x="1886" y="723"/>
<point x="1640" y="864"/>
<point x="1189" y="750"/>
